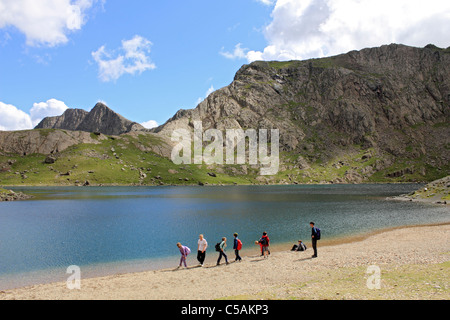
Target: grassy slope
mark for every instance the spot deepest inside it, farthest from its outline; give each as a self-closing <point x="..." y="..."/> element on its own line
<point x="436" y="191"/>
<point x="97" y="164"/>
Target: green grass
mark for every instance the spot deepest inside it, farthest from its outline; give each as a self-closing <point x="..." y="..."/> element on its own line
<point x="280" y="64"/>
<point x="323" y="63"/>
<point x="418" y="165"/>
<point x="97" y="163"/>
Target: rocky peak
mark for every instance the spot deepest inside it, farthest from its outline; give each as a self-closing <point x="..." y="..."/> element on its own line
<point x="69" y="119"/>
<point x="100" y="119"/>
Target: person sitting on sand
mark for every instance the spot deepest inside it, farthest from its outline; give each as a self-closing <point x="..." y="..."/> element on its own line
<point x="299" y="247"/>
<point x="185" y="251"/>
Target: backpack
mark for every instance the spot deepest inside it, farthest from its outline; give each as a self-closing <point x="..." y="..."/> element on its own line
<point x="239" y="244"/>
<point x="317" y="234"/>
<point x="218" y="247"/>
<point x="187" y="251"/>
<point x="263" y="241"/>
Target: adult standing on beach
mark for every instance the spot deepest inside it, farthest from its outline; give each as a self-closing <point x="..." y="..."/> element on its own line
<point x="185" y="251"/>
<point x="222" y="248"/>
<point x="265" y="243"/>
<point x="315" y="235"/>
<point x="201" y="249"/>
<point x="237" y="246"/>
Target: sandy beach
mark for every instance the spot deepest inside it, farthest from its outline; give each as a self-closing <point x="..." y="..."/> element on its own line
<point x="414" y="264"/>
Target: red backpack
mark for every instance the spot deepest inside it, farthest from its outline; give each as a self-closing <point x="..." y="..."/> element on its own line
<point x="239" y="244"/>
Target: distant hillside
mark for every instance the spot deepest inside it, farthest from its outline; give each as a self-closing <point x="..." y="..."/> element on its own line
<point x="375" y="115"/>
<point x="135" y="158"/>
<point x="100" y="119"/>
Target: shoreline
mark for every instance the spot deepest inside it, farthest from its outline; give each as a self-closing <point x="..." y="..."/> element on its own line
<point x="7" y="195"/>
<point x="58" y="290"/>
<point x="211" y="185"/>
<point x="436" y="192"/>
<point x="404" y="198"/>
<point x="162" y="264"/>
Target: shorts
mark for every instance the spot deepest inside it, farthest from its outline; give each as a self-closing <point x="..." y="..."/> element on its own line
<point x="265" y="248"/>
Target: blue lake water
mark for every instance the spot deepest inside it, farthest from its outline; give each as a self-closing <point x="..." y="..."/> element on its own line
<point x="107" y="230"/>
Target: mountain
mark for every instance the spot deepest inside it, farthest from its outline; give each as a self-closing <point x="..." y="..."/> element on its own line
<point x="389" y="105"/>
<point x="100" y="119"/>
<point x="374" y="115"/>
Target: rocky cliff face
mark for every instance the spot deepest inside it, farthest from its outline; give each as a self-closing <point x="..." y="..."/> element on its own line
<point x="393" y="100"/>
<point x="100" y="119"/>
<point x="69" y="120"/>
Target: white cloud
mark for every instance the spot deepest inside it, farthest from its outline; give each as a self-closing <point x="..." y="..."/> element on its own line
<point x="50" y="108"/>
<point x="150" y="124"/>
<point x="302" y="29"/>
<point x="208" y="92"/>
<point x="131" y="58"/>
<point x="267" y="2"/>
<point x="44" y="22"/>
<point x="238" y="53"/>
<point x="12" y="118"/>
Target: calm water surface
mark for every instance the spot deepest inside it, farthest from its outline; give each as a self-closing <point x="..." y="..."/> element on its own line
<point x="107" y="230"/>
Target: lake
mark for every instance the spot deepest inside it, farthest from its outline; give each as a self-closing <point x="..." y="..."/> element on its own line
<point x="108" y="230"/>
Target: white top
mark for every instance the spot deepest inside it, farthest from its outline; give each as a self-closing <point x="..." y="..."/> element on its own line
<point x="202" y="244"/>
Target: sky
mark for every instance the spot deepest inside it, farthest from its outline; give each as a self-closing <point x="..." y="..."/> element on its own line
<point x="147" y="59"/>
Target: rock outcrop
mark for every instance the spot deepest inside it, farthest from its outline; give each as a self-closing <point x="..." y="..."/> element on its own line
<point x="437" y="192"/>
<point x="69" y="120"/>
<point x="9" y="195"/>
<point x="100" y="119"/>
<point x="394" y="99"/>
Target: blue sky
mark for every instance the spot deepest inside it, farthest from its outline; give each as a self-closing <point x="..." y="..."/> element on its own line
<point x="148" y="59"/>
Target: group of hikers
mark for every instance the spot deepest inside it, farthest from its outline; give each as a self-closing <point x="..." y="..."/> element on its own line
<point x="221" y="246"/>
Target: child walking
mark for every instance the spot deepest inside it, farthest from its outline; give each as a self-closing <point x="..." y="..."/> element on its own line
<point x="237" y="246"/>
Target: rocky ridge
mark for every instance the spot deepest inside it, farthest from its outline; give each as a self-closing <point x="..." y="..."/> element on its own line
<point x="100" y="119"/>
<point x="44" y="141"/>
